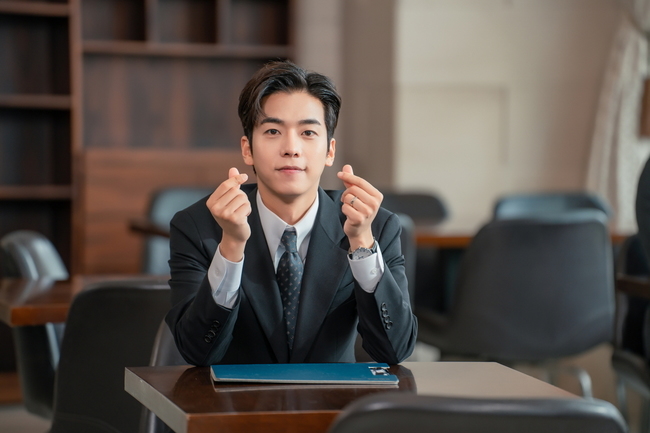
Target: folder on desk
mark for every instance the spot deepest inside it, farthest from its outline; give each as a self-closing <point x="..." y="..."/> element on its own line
<point x="343" y="373"/>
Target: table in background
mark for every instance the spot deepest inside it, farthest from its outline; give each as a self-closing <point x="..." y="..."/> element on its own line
<point x="187" y="400"/>
<point x="36" y="302"/>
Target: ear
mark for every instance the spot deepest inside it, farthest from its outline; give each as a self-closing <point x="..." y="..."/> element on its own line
<point x="329" y="161"/>
<point x="246" y="151"/>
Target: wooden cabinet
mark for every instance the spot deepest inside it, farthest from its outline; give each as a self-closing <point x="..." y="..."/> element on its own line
<point x="102" y="102"/>
<point x="35" y="120"/>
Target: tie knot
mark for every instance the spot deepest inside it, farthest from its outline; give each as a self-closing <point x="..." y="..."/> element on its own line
<point x="289" y="240"/>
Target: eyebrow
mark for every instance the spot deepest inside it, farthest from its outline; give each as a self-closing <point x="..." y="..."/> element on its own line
<point x="281" y="122"/>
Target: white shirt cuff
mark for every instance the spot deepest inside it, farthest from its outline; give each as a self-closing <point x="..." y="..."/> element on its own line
<point x="368" y="271"/>
<point x="225" y="278"/>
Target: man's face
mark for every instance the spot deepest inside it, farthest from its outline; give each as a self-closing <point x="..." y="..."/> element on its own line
<point x="289" y="146"/>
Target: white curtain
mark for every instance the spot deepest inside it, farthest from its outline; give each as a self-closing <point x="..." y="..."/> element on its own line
<point x="617" y="151"/>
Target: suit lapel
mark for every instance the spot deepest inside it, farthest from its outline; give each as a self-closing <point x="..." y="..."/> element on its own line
<point x="261" y="287"/>
<point x="325" y="265"/>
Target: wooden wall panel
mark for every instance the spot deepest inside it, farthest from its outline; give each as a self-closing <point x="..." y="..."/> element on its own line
<point x="117" y="188"/>
<point x="163" y="102"/>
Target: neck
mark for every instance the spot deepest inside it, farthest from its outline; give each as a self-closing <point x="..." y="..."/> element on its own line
<point x="289" y="209"/>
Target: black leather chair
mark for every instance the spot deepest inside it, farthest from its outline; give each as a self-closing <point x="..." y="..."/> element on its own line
<point x="110" y="326"/>
<point x="532" y="205"/>
<point x="164" y="352"/>
<point x="28" y="254"/>
<point x="531" y="290"/>
<point x="426" y="210"/>
<point x="164" y="204"/>
<point x="631" y="355"/>
<point x="396" y="412"/>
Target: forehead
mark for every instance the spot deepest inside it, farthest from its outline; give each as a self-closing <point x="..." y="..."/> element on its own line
<point x="292" y="106"/>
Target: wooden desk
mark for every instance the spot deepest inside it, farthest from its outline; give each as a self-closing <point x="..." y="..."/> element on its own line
<point x="185" y="398"/>
<point x="634" y="286"/>
<point x="456" y="237"/>
<point x="36" y="302"/>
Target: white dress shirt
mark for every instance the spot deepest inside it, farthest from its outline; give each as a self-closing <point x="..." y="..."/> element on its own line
<point x="225" y="276"/>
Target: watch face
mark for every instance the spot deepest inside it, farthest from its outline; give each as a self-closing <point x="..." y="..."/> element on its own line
<point x="361" y="253"/>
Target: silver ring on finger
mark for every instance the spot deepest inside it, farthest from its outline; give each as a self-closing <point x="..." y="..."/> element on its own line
<point x="353" y="200"/>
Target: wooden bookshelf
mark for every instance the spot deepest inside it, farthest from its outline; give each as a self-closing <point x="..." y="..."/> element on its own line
<point x="186" y="50"/>
<point x="39" y="102"/>
<point x="35" y="8"/>
<point x="93" y="82"/>
<point x="45" y="192"/>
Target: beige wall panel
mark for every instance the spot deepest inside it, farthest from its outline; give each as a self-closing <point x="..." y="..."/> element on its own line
<point x="455" y="141"/>
<point x="547" y="56"/>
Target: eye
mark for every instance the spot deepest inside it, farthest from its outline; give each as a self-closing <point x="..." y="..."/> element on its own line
<point x="310" y="133"/>
<point x="272" y="132"/>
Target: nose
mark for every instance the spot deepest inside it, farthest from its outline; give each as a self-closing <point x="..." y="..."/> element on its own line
<point x="291" y="146"/>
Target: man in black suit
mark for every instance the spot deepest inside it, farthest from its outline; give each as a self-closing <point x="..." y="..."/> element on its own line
<point x="283" y="271"/>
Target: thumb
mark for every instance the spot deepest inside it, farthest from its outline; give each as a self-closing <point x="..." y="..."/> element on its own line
<point x="347" y="168"/>
<point x="233" y="172"/>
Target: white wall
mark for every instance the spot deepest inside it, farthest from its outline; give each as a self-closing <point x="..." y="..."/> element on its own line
<point x="497" y="96"/>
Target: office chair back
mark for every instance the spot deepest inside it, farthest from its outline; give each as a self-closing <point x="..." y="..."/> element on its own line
<point x="164" y="205"/>
<point x="29" y="254"/>
<point x="110" y="326"/>
<point x="531" y="205"/>
<point x="423" y="208"/>
<point x="164" y="352"/>
<point x="532" y="290"/>
<point x="632" y="331"/>
<point x="394" y="412"/>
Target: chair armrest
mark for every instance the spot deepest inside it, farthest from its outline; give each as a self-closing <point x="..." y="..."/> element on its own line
<point x="635" y="286"/>
<point x="148" y="227"/>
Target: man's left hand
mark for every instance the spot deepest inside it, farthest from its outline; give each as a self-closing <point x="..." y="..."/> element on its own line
<point x="361" y="202"/>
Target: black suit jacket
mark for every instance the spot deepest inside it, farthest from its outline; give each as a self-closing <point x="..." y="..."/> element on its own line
<point x="332" y="305"/>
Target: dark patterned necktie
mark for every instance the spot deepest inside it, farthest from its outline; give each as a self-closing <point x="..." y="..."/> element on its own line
<point x="289" y="277"/>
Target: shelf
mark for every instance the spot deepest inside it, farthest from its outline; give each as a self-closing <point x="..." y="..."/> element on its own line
<point x="37" y="192"/>
<point x="136" y="48"/>
<point x="38" y="102"/>
<point x="35" y="8"/>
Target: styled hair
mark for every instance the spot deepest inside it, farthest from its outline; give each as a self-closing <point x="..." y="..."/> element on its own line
<point x="284" y="76"/>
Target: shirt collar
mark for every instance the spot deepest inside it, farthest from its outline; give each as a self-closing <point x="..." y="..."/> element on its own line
<point x="273" y="226"/>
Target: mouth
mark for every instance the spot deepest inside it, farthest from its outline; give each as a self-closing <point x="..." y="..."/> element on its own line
<point x="290" y="169"/>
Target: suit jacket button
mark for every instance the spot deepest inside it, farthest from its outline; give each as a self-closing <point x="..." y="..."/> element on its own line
<point x="211" y="334"/>
<point x="389" y="325"/>
<point x="207" y="339"/>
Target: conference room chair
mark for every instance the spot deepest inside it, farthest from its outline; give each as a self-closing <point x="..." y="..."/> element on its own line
<point x="164" y="352"/>
<point x="530" y="291"/>
<point x="402" y="412"/>
<point x="426" y="209"/>
<point x="164" y="204"/>
<point x="29" y="254"/>
<point x="110" y="326"/>
<point x="631" y="355"/>
<point x="536" y="204"/>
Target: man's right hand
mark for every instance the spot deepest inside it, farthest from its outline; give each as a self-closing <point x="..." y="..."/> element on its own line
<point x="230" y="207"/>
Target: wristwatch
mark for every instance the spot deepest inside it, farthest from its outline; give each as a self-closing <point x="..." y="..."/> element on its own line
<point x="362" y="252"/>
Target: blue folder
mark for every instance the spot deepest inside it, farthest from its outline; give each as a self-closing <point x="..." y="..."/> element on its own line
<point x="347" y="374"/>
